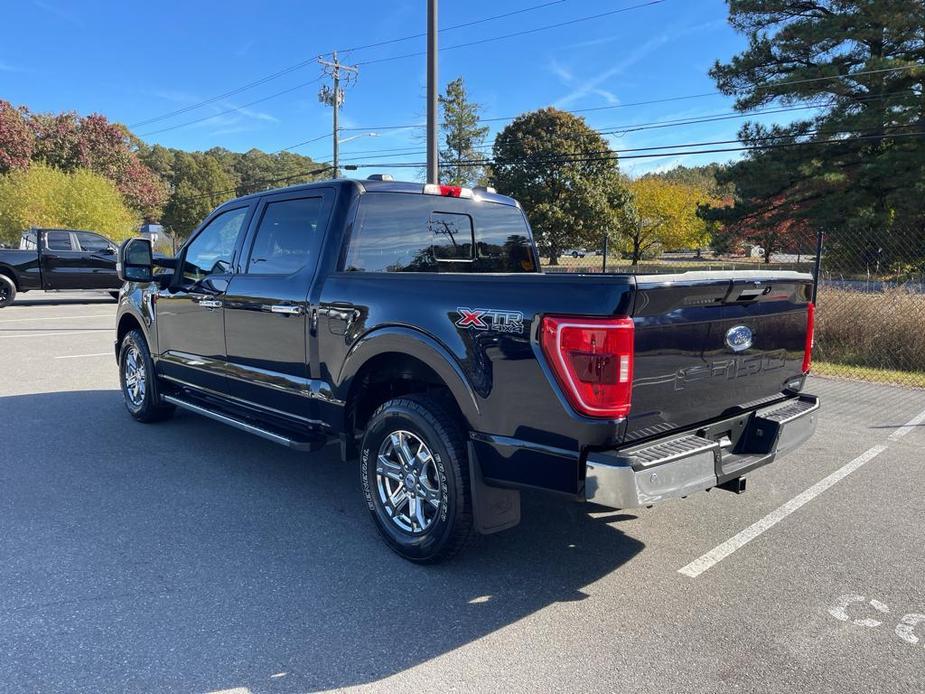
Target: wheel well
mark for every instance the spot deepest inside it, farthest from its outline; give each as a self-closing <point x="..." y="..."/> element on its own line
<point x="387" y="376"/>
<point x="6" y="272"/>
<point x="127" y="323"/>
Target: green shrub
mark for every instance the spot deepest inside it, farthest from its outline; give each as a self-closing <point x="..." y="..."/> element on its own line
<point x="45" y="197"/>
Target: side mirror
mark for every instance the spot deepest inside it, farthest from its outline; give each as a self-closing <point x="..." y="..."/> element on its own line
<point x="109" y="250"/>
<point x="136" y="263"/>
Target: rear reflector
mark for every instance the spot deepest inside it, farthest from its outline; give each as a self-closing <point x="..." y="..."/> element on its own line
<point x="810" y="337"/>
<point x="592" y="359"/>
<point x="447" y="191"/>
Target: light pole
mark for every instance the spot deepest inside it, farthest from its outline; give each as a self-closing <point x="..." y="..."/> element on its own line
<point x="433" y="161"/>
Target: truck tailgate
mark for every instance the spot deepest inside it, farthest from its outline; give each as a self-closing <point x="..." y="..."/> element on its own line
<point x="711" y="344"/>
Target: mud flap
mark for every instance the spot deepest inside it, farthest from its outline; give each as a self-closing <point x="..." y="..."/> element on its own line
<point x="493" y="508"/>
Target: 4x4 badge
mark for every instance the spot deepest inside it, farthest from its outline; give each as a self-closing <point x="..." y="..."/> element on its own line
<point x="499" y="320"/>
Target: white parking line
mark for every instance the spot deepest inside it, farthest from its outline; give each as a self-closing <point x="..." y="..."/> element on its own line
<point x="94" y="315"/>
<point x="70" y="332"/>
<point x="720" y="552"/>
<point x="85" y="356"/>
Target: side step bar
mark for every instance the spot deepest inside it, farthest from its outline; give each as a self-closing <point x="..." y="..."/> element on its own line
<point x="276" y="436"/>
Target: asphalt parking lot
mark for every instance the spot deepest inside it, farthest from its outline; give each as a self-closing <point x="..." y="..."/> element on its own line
<point x="187" y="556"/>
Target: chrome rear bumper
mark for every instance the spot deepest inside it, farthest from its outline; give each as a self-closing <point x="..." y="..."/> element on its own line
<point x="698" y="460"/>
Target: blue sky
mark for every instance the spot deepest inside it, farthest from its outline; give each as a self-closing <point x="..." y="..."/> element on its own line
<point x="137" y="61"/>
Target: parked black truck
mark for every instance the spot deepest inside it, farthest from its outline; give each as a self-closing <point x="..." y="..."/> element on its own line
<point x="413" y="325"/>
<point x="58" y="259"/>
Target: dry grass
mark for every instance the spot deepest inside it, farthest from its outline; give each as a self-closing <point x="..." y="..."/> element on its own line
<point x="884" y="330"/>
<point x="913" y="379"/>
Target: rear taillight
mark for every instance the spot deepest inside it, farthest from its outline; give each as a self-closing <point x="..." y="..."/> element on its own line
<point x="810" y="337"/>
<point x="593" y="362"/>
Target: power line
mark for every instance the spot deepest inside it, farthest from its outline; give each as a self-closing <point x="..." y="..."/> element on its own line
<point x="389" y="42"/>
<point x="666" y="99"/>
<point x="515" y="34"/>
<point x="624" y="129"/>
<point x="609" y="155"/>
<point x="303" y="63"/>
<point x="225" y="95"/>
<point x="231" y="110"/>
<point x="616" y="154"/>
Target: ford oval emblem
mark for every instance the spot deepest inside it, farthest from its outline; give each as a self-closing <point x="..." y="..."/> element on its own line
<point x="739" y="338"/>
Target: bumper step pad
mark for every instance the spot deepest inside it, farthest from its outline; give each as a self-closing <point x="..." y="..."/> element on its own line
<point x="684" y="463"/>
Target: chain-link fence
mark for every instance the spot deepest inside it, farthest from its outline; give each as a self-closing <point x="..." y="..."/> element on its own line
<point x="870" y="315"/>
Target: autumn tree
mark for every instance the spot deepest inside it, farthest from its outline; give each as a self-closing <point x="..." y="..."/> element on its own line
<point x="662" y="215"/>
<point x="16" y="140"/>
<point x="857" y="167"/>
<point x="463" y="137"/>
<point x="70" y="142"/>
<point x="565" y="176"/>
<point x="42" y="196"/>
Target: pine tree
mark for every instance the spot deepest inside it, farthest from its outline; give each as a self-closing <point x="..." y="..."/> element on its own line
<point x="857" y="167"/>
<point x="463" y="137"/>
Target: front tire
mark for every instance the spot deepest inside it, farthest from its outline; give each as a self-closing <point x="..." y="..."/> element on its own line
<point x="415" y="478"/>
<point x="7" y="291"/>
<point x="138" y="380"/>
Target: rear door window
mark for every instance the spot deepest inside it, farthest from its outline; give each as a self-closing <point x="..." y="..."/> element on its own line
<point x="92" y="243"/>
<point x="288" y="236"/>
<point x="58" y="240"/>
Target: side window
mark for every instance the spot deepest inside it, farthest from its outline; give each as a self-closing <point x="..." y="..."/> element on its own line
<point x="92" y="243"/>
<point x="391" y="234"/>
<point x="58" y="240"/>
<point x="211" y="251"/>
<point x="452" y="236"/>
<point x="287" y="236"/>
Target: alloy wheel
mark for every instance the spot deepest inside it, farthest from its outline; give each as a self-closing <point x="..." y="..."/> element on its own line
<point x="408" y="482"/>
<point x="135" y="376"/>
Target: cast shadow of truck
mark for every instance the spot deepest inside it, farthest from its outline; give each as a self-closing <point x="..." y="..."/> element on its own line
<point x="190" y="556"/>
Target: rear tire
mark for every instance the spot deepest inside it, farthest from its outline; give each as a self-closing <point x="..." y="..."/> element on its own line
<point x="139" y="381"/>
<point x="7" y="291"/>
<point x="413" y="444"/>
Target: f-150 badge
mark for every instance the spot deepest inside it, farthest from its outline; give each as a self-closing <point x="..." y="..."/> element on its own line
<point x="499" y="320"/>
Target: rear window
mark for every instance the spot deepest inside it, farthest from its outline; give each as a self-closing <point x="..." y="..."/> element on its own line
<point x="406" y="232"/>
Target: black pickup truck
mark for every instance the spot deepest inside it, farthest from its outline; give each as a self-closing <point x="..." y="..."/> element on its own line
<point x="413" y="325"/>
<point x="58" y="259"/>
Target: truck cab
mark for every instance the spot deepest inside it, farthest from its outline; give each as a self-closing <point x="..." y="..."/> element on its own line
<point x="58" y="260"/>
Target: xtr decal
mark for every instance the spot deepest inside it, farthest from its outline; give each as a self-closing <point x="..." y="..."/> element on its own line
<point x="495" y="319"/>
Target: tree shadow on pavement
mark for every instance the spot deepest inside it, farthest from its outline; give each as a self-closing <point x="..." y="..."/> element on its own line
<point x="189" y="556"/>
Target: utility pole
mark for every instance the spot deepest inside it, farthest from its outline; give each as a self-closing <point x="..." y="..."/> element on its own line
<point x="433" y="152"/>
<point x="334" y="96"/>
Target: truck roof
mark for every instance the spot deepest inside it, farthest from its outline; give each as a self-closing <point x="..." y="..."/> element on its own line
<point x="374" y="185"/>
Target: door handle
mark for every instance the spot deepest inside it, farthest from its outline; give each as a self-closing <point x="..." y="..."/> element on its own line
<point x="210" y="303"/>
<point x="287" y="310"/>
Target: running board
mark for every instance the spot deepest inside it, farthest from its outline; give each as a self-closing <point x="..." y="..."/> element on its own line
<point x="276" y="436"/>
